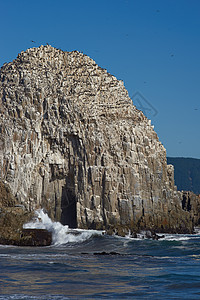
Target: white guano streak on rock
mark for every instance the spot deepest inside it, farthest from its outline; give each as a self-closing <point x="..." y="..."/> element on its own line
<point x="71" y="134"/>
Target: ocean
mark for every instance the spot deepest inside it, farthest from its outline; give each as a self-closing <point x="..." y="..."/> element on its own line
<point x="87" y="264"/>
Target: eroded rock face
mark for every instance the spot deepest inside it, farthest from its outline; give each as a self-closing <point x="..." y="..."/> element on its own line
<point x="191" y="203"/>
<point x="35" y="237"/>
<point x="72" y="141"/>
<point x="12" y="217"/>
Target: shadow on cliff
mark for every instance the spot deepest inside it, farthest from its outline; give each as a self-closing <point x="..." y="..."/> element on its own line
<point x="69" y="197"/>
<point x="68" y="206"/>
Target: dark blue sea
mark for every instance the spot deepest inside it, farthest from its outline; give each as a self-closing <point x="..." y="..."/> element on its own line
<point x="91" y="265"/>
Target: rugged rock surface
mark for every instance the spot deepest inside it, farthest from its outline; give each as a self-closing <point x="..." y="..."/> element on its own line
<point x="35" y="237"/>
<point x="72" y="141"/>
<point x="12" y="217"/>
<point x="191" y="203"/>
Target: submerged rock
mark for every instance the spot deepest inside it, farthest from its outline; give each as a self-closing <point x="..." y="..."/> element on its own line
<point x="106" y="253"/>
<point x="72" y="141"/>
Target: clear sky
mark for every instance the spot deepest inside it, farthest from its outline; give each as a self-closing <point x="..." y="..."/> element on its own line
<point x="152" y="45"/>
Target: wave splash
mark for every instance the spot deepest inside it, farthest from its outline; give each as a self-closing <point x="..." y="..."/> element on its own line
<point x="61" y="234"/>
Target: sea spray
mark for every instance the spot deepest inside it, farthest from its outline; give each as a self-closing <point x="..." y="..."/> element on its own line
<point x="61" y="234"/>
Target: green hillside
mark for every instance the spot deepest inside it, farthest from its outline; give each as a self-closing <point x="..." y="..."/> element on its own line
<point x="186" y="173"/>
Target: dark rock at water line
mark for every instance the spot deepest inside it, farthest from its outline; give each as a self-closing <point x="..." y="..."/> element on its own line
<point x="27" y="237"/>
<point x="12" y="218"/>
<point x="72" y="142"/>
<point x="106" y="253"/>
<point x="152" y="235"/>
<point x="35" y="237"/>
<point x="103" y="253"/>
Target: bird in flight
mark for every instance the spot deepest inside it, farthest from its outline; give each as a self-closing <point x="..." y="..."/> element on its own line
<point x="33" y="41"/>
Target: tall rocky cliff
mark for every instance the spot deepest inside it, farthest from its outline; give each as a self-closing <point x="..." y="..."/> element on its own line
<point x="72" y="141"/>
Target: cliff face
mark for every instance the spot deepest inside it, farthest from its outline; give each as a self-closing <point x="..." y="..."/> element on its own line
<point x="191" y="203"/>
<point x="72" y="141"/>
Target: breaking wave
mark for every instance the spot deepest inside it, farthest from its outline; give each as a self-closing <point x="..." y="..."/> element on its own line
<point x="61" y="234"/>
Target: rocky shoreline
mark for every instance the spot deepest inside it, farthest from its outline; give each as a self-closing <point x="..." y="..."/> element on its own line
<point x="13" y="216"/>
<point x="72" y="142"/>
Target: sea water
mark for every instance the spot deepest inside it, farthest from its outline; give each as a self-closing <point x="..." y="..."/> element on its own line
<point x="88" y="264"/>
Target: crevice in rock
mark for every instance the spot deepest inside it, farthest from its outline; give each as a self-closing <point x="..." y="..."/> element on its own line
<point x="68" y="208"/>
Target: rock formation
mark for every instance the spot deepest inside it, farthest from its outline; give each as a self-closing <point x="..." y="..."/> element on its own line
<point x="73" y="142"/>
<point x="12" y="217"/>
<point x="191" y="203"/>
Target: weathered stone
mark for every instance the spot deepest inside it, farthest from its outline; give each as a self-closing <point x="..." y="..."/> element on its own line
<point x="12" y="217"/>
<point x="73" y="142"/>
<point x="35" y="237"/>
<point x="191" y="203"/>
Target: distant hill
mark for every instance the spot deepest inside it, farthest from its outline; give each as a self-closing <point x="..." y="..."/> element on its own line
<point x="186" y="173"/>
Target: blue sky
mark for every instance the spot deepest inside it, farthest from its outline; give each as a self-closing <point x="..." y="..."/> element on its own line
<point x="152" y="45"/>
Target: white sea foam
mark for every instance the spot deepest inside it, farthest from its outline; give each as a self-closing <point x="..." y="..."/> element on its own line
<point x="179" y="237"/>
<point x="175" y="237"/>
<point x="197" y="230"/>
<point x="61" y="234"/>
<point x="164" y="236"/>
